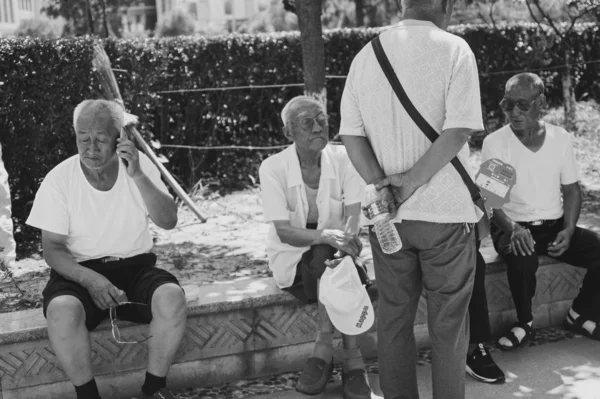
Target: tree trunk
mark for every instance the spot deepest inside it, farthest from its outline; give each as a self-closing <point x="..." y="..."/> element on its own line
<point x="104" y="19"/>
<point x="360" y="12"/>
<point x="313" y="48"/>
<point x="569" y="94"/>
<point x="89" y="19"/>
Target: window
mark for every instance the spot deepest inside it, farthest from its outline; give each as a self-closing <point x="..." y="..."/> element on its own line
<point x="228" y="7"/>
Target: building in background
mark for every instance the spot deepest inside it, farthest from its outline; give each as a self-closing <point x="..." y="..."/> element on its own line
<point x="12" y="12"/>
<point x="213" y="16"/>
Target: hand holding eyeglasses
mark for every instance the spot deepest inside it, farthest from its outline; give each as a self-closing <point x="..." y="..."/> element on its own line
<point x="104" y="294"/>
<point x="113" y="323"/>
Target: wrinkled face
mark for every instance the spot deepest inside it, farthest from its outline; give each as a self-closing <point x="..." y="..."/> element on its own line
<point x="308" y="127"/>
<point x="96" y="139"/>
<point x="521" y="104"/>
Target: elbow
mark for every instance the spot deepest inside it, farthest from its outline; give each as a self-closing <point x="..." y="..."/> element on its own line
<point x="170" y="222"/>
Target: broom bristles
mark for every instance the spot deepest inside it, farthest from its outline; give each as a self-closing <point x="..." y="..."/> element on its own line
<point x="106" y="78"/>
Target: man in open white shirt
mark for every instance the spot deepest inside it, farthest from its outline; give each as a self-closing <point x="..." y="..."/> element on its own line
<point x="542" y="213"/>
<point x="311" y="197"/>
<point x="439" y="74"/>
<point x="93" y="210"/>
<point x="7" y="242"/>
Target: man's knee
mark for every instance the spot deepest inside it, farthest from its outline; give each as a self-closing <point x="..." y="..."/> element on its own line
<point x="168" y="302"/>
<point x="521" y="264"/>
<point x="65" y="313"/>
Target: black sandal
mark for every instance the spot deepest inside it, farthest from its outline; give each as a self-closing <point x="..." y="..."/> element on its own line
<point x="510" y="335"/>
<point x="576" y="326"/>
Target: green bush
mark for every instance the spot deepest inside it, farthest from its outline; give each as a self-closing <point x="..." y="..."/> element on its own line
<point x="42" y="80"/>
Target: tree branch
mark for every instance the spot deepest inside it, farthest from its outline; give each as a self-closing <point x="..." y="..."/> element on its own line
<point x="545" y="15"/>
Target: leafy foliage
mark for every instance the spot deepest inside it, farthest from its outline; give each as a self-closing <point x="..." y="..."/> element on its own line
<point x="42" y="80"/>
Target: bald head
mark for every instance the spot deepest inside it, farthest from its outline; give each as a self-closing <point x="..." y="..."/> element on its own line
<point x="295" y="106"/>
<point x="526" y="81"/>
<point x="94" y="114"/>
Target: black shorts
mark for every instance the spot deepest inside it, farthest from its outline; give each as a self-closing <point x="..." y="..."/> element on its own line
<point x="136" y="276"/>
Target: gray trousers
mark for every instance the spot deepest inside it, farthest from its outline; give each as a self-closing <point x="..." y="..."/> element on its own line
<point x="7" y="243"/>
<point x="438" y="259"/>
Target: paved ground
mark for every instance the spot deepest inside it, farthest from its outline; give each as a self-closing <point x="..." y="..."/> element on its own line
<point x="557" y="364"/>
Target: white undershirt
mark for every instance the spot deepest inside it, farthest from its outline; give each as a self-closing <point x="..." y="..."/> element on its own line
<point x="311" y="198"/>
<point x="97" y="223"/>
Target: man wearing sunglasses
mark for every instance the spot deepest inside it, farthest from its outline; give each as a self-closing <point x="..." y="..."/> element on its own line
<point x="93" y="210"/>
<point x="542" y="213"/>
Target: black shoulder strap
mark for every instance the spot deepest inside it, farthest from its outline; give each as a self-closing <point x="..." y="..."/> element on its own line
<point x="417" y="117"/>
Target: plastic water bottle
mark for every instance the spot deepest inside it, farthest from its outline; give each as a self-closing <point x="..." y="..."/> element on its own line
<point x="386" y="232"/>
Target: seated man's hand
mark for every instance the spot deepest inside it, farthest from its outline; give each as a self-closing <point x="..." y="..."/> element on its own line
<point x="521" y="241"/>
<point x="561" y="243"/>
<point x="104" y="294"/>
<point x="344" y="242"/>
<point x="126" y="150"/>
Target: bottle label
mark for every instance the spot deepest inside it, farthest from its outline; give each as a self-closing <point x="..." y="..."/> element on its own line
<point x="374" y="209"/>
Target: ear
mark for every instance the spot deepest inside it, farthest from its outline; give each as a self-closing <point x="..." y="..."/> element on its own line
<point x="287" y="132"/>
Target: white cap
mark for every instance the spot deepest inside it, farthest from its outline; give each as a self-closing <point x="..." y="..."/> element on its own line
<point x="346" y="299"/>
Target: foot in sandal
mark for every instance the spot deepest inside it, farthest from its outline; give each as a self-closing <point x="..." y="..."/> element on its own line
<point x="519" y="335"/>
<point x="580" y="325"/>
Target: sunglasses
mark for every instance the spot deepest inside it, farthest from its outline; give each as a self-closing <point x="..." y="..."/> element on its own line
<point x="308" y="123"/>
<point x="508" y="105"/>
<point x="113" y="322"/>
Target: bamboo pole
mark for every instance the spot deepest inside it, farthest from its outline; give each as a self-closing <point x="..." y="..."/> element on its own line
<point x="110" y="90"/>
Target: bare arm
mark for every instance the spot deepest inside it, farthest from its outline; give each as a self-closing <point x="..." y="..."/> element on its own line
<point x="161" y="207"/>
<point x="297" y="237"/>
<point x="59" y="258"/>
<point x="572" y="205"/>
<point x="363" y="158"/>
<point x="441" y="152"/>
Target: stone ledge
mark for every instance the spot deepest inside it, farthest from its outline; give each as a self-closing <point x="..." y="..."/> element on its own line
<point x="237" y="329"/>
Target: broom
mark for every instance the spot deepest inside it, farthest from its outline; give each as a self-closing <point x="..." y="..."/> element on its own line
<point x="110" y="91"/>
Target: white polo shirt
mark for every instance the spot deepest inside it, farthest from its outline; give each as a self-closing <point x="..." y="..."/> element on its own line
<point x="439" y="74"/>
<point x="97" y="223"/>
<point x="537" y="191"/>
<point x="284" y="198"/>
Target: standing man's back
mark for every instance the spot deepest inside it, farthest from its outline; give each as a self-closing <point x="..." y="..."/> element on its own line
<point x="439" y="74"/>
<point x="436" y="213"/>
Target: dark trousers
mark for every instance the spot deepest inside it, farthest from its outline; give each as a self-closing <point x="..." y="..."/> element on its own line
<point x="438" y="259"/>
<point x="584" y="251"/>
<point x="479" y="317"/>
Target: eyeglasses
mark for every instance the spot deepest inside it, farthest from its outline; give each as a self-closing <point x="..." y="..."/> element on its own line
<point x="508" y="105"/>
<point x="113" y="322"/>
<point x="308" y="123"/>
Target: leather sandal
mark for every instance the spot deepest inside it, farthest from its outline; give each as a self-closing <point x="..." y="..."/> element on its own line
<point x="510" y="335"/>
<point x="576" y="326"/>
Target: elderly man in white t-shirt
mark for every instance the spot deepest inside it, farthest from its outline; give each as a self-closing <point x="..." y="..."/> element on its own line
<point x="311" y="196"/>
<point x="538" y="219"/>
<point x="439" y="74"/>
<point x="93" y="210"/>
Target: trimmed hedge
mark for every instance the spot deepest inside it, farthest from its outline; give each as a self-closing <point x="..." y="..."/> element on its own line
<point x="41" y="81"/>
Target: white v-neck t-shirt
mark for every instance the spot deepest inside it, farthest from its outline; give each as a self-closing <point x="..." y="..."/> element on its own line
<point x="97" y="223"/>
<point x="537" y="193"/>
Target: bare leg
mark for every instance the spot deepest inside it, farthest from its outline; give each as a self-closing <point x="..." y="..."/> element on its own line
<point x="169" y="313"/>
<point x="352" y="357"/>
<point x="69" y="338"/>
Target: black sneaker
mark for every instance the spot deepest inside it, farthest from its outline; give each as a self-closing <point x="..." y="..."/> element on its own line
<point x="482" y="367"/>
